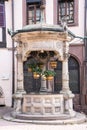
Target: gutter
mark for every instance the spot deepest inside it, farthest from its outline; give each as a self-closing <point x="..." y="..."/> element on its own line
<point x="85" y="30"/>
<point x="13" y="72"/>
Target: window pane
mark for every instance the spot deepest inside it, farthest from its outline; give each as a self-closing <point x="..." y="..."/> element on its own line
<point x="0" y="34"/>
<point x="34" y="14"/>
<point x="38" y="15"/>
<point x="66" y="8"/>
<point x="2" y="22"/>
<point x="1" y="8"/>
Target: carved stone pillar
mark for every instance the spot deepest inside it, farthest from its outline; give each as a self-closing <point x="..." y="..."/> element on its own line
<point x="68" y="96"/>
<point x="20" y="87"/>
<point x="65" y="76"/>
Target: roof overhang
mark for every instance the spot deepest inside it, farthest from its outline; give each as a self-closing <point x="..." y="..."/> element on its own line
<point x="31" y="30"/>
<point x="33" y="1"/>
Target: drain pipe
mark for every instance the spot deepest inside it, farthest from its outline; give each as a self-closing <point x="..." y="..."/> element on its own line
<point x="85" y="44"/>
<point x="85" y="30"/>
<point x="13" y="49"/>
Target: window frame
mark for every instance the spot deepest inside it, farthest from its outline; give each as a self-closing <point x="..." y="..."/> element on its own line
<point x="3" y="42"/>
<point x="75" y="23"/>
<point x="35" y="7"/>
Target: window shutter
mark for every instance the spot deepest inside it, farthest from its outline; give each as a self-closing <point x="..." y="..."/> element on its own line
<point x="2" y="13"/>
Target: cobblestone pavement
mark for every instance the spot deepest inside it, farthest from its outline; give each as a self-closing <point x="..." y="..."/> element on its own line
<point x="4" y="125"/>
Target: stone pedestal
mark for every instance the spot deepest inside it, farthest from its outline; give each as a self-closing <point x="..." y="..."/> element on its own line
<point x="43" y="105"/>
<point x="18" y="102"/>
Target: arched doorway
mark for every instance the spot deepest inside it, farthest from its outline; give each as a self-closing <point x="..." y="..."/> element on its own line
<point x="74" y="75"/>
<point x="74" y="78"/>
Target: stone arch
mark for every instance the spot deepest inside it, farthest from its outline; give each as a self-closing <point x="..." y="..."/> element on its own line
<point x="56" y="46"/>
<point x="77" y="58"/>
<point x="74" y="75"/>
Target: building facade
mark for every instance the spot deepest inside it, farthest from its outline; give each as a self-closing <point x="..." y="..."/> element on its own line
<point x="15" y="14"/>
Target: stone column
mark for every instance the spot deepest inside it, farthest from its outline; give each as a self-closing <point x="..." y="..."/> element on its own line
<point x="20" y="88"/>
<point x="65" y="76"/>
<point x="68" y="96"/>
<point x="43" y="82"/>
<point x="20" y="80"/>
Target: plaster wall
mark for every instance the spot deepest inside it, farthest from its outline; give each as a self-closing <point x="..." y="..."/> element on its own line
<point x="79" y="29"/>
<point x="49" y="11"/>
<point x="18" y="17"/>
<point x="8" y="16"/>
<point x="6" y="58"/>
<point x="5" y="75"/>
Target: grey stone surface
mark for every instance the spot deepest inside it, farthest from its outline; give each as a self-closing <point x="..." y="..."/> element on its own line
<point x="10" y="125"/>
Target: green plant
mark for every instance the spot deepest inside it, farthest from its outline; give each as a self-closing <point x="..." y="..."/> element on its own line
<point x="35" y="68"/>
<point x="32" y="66"/>
<point x="48" y="73"/>
<point x="38" y="70"/>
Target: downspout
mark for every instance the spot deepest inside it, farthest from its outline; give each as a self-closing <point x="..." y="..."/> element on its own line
<point x="85" y="29"/>
<point x="13" y="49"/>
<point x="85" y="49"/>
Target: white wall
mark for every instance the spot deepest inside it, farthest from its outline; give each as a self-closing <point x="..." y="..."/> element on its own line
<point x="5" y="75"/>
<point x="18" y="20"/>
<point x="6" y="60"/>
<point x="8" y="15"/>
<point x="79" y="30"/>
<point x="49" y="11"/>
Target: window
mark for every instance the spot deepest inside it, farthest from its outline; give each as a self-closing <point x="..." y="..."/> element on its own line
<point x="68" y="9"/>
<point x="34" y="14"/>
<point x="2" y="25"/>
<point x="33" y="11"/>
<point x="2" y="19"/>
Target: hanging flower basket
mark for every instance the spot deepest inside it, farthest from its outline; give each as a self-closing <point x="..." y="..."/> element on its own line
<point x="29" y="69"/>
<point x="36" y="75"/>
<point x="50" y="77"/>
<point x="53" y="64"/>
<point x="49" y="74"/>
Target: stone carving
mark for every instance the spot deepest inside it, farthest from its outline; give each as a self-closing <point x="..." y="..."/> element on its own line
<point x="17" y="102"/>
<point x="43" y="104"/>
<point x="43" y="45"/>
